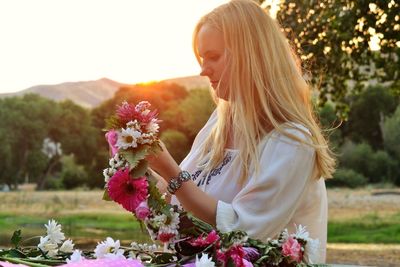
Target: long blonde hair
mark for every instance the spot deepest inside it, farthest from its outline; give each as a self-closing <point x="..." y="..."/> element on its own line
<point x="266" y="87"/>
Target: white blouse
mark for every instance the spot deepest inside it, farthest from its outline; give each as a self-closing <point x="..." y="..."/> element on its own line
<point x="282" y="195"/>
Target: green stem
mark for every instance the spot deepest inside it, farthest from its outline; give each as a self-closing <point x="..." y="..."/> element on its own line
<point x="19" y="261"/>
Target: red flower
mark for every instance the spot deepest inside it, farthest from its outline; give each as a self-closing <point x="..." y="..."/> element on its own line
<point x="165" y="236"/>
<point x="127" y="191"/>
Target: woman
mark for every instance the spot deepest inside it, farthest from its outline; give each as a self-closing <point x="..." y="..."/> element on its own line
<point x="256" y="164"/>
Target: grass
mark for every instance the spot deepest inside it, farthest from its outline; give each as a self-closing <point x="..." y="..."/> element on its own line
<point x="370" y="228"/>
<point x="85" y="229"/>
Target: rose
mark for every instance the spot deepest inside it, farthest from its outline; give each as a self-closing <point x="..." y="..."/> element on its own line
<point x="142" y="211"/>
<point x="112" y="138"/>
<point x="292" y="248"/>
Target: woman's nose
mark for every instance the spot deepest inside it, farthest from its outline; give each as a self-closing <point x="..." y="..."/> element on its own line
<point x="205" y="71"/>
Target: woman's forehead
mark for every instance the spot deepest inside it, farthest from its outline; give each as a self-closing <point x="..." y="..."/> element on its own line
<point x="209" y="40"/>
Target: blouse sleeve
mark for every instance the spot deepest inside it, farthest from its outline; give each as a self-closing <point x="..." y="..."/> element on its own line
<point x="267" y="202"/>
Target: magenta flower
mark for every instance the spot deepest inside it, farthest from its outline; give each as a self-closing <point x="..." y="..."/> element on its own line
<point x="201" y="241"/>
<point x="112" y="138"/>
<point x="127" y="191"/>
<point x="236" y="253"/>
<point x="292" y="248"/>
<point x="142" y="211"/>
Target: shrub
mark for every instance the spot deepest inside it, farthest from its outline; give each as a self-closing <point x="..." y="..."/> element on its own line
<point x="347" y="178"/>
<point x="377" y="166"/>
<point x="72" y="175"/>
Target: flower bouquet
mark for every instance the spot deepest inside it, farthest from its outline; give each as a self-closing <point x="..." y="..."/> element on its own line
<point x="132" y="135"/>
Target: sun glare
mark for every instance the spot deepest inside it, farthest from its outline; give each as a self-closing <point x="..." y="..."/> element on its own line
<point x="48" y="42"/>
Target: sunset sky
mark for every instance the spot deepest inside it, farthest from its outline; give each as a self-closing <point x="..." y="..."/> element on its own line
<point x="129" y="41"/>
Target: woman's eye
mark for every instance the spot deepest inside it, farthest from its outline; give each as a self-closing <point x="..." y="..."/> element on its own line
<point x="214" y="58"/>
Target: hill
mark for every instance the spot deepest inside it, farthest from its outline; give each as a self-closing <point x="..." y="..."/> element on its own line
<point x="90" y="94"/>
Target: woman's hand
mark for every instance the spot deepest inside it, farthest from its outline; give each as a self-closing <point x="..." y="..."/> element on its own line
<point x="163" y="163"/>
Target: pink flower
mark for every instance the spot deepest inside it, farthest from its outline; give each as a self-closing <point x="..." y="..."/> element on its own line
<point x="142" y="211"/>
<point x="292" y="248"/>
<point x="127" y="191"/>
<point x="127" y="112"/>
<point x="112" y="138"/>
<point x="201" y="241"/>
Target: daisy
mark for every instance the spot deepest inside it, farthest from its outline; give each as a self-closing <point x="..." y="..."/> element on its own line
<point x="128" y="138"/>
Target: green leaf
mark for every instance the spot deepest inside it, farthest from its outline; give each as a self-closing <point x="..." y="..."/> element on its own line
<point x="140" y="169"/>
<point x="16" y="238"/>
<point x="106" y="196"/>
<point x="133" y="156"/>
<point x="16" y="253"/>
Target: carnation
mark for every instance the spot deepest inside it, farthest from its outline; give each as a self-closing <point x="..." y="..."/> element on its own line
<point x="54" y="232"/>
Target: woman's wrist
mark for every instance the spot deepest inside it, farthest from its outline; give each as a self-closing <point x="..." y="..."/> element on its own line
<point x="176" y="182"/>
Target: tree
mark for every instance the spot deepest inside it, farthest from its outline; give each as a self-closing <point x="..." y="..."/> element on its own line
<point x="332" y="37"/>
<point x="366" y="111"/>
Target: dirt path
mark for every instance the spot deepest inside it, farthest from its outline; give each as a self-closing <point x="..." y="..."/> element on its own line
<point x="346" y="204"/>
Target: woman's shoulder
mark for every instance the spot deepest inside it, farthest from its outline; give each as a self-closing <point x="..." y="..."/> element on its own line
<point x="290" y="132"/>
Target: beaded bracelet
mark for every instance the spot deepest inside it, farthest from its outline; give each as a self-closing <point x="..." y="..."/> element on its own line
<point x="176" y="182"/>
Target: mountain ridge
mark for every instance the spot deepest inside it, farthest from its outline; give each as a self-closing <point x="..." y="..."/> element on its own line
<point x="90" y="94"/>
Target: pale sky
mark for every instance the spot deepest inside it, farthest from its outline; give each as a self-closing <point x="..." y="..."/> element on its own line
<point x="129" y="41"/>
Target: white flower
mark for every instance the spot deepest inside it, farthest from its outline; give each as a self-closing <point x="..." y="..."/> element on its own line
<point x="285" y="234"/>
<point x="46" y="245"/>
<point x="159" y="220"/>
<point x="108" y="247"/>
<point x="301" y="232"/>
<point x="152" y="126"/>
<point x="175" y="219"/>
<point x="119" y="254"/>
<point x="54" y="232"/>
<point x="128" y="138"/>
<point x="67" y="246"/>
<point x="134" y="125"/>
<point x="311" y="254"/>
<point x="76" y="256"/>
<point x="204" y="261"/>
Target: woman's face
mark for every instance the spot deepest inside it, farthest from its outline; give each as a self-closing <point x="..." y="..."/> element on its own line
<point x="214" y="63"/>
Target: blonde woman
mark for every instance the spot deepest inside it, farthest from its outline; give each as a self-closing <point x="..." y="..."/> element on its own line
<point x="257" y="164"/>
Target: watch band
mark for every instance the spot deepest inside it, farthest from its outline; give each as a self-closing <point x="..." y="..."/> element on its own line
<point x="176" y="182"/>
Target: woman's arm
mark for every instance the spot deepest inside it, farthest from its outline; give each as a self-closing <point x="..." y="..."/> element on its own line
<point x="189" y="195"/>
